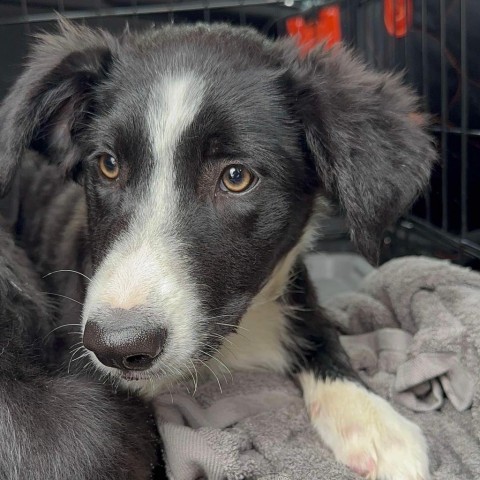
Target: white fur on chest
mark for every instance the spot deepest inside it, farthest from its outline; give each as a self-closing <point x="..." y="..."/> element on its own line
<point x="259" y="342"/>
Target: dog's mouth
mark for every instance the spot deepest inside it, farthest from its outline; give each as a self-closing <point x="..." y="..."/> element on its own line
<point x="132" y="376"/>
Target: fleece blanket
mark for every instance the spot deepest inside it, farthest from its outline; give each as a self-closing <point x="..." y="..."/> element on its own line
<point x="412" y="329"/>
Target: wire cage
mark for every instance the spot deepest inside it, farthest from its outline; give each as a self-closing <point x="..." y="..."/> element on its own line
<point x="431" y="41"/>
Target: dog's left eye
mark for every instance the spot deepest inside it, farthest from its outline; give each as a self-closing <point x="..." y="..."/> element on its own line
<point x="236" y="179"/>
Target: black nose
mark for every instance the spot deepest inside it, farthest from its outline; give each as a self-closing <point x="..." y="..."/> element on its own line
<point x="123" y="345"/>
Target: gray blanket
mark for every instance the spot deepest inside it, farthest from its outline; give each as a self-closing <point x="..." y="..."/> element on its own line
<point x="412" y="330"/>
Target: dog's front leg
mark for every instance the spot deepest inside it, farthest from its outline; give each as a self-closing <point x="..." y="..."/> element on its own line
<point x="362" y="429"/>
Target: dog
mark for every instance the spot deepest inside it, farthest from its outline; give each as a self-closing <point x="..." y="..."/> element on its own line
<point x="206" y="156"/>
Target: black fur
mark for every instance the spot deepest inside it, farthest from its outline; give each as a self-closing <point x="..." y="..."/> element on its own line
<point x="363" y="132"/>
<point x="318" y="348"/>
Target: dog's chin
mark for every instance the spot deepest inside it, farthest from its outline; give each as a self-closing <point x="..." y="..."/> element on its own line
<point x="135" y="376"/>
<point x="143" y="383"/>
<point x="146" y="384"/>
<point x="152" y="375"/>
<point x="153" y="378"/>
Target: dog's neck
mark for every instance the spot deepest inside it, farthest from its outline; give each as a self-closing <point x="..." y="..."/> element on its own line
<point x="262" y="332"/>
<point x="261" y="339"/>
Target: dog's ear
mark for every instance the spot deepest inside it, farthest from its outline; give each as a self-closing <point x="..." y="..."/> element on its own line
<point x="365" y="135"/>
<point x="47" y="105"/>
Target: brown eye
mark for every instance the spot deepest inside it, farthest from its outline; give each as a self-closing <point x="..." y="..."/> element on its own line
<point x="236" y="179"/>
<point x="108" y="166"/>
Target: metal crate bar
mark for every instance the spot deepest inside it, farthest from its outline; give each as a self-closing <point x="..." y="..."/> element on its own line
<point x="456" y="131"/>
<point x="444" y="113"/>
<point x="425" y="88"/>
<point x="438" y="236"/>
<point x="133" y="10"/>
<point x="464" y="117"/>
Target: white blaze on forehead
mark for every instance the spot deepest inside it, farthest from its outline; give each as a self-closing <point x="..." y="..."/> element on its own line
<point x="175" y="102"/>
<point x="146" y="268"/>
<point x="173" y="106"/>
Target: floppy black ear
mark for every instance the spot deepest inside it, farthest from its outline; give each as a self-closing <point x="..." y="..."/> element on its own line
<point x="365" y="135"/>
<point x="47" y="104"/>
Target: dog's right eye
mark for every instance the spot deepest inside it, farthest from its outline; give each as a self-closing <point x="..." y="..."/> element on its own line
<point x="236" y="179"/>
<point x="108" y="166"/>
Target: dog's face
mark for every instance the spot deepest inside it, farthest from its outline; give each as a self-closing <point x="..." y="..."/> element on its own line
<point x="203" y="152"/>
<point x="196" y="187"/>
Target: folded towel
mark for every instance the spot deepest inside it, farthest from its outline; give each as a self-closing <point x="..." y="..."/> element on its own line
<point x="433" y="349"/>
<point x="413" y="332"/>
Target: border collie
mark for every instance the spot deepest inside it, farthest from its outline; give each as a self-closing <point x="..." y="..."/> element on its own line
<point x="207" y="155"/>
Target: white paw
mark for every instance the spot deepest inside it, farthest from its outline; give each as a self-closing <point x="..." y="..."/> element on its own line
<point x="364" y="431"/>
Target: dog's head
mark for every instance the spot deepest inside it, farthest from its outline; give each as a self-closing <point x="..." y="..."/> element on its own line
<point x="205" y="152"/>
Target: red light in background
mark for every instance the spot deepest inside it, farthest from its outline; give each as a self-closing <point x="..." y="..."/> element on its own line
<point x="398" y="17"/>
<point x="325" y="28"/>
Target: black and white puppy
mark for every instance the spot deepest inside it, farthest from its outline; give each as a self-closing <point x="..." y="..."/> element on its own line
<point x="207" y="154"/>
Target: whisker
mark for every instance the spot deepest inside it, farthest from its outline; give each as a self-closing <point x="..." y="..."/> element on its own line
<point x="221" y="364"/>
<point x="229" y="341"/>
<point x="83" y="355"/>
<point x="169" y="368"/>
<point x="180" y="375"/>
<point x="221" y="316"/>
<point x="191" y="375"/>
<point x="196" y="377"/>
<point x="63" y="296"/>
<point x="71" y="271"/>
<point x="229" y="350"/>
<point x="240" y="334"/>
<point x="74" y="333"/>
<point x="71" y="358"/>
<point x="161" y="378"/>
<point x="234" y="326"/>
<point x="223" y="338"/>
<point x="211" y="356"/>
<point x="218" y="381"/>
<point x="62" y="326"/>
<point x="169" y="384"/>
<point x="185" y="384"/>
<point x="76" y="345"/>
